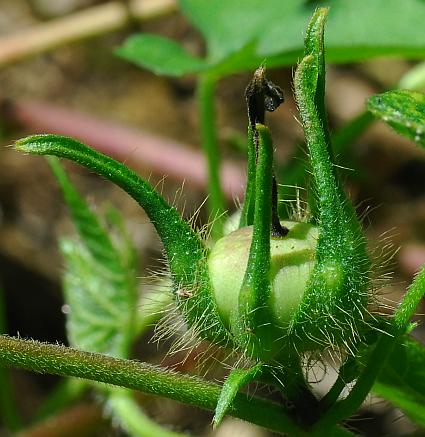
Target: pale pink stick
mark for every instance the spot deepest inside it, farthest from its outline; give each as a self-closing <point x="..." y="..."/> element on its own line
<point x="138" y="149"/>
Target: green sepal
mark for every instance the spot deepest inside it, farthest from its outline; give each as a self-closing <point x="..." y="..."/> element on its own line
<point x="314" y="45"/>
<point x="247" y="213"/>
<point x="336" y="296"/>
<point x="234" y="382"/>
<point x="403" y="110"/>
<point x="253" y="320"/>
<point x="185" y="251"/>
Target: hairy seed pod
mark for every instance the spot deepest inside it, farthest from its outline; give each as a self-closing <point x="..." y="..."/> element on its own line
<point x="292" y="261"/>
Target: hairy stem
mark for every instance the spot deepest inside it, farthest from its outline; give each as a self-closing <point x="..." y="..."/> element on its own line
<point x="60" y="360"/>
<point x="410" y="302"/>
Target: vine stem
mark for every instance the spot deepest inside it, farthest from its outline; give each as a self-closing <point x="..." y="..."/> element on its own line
<point x="206" y="92"/>
<point x="64" y="361"/>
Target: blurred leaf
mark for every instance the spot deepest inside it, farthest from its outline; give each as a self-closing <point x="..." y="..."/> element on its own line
<point x="240" y="35"/>
<point x="414" y="79"/>
<point x="100" y="290"/>
<point x="402" y="380"/>
<point x="403" y="110"/>
<point x="99" y="283"/>
<point x="228" y="26"/>
<point x="357" y="30"/>
<point x="160" y="55"/>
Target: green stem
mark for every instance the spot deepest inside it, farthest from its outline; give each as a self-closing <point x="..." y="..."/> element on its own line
<point x="206" y="92"/>
<point x="60" y="360"/>
<point x="289" y="378"/>
<point x="347" y="372"/>
<point x="410" y="302"/>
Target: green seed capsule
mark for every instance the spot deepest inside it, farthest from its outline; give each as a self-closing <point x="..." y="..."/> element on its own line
<point x="292" y="262"/>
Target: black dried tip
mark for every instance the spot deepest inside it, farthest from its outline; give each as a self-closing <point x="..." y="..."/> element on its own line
<point x="261" y="95"/>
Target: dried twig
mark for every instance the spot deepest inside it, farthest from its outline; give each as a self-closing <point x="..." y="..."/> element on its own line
<point x="88" y="23"/>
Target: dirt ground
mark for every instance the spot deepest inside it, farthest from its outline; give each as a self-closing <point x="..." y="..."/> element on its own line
<point x="387" y="182"/>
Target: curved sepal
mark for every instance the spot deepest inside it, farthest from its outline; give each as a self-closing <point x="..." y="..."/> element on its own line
<point x="253" y="324"/>
<point x="185" y="251"/>
<point x="234" y="382"/>
<point x="336" y="295"/>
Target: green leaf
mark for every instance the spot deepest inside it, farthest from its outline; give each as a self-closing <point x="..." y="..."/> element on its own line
<point x="99" y="286"/>
<point x="403" y="110"/>
<point x="234" y="382"/>
<point x="99" y="303"/>
<point x="356" y="30"/>
<point x="95" y="238"/>
<point x="402" y="380"/>
<point x="273" y="29"/>
<point x="221" y="22"/>
<point x="160" y="55"/>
